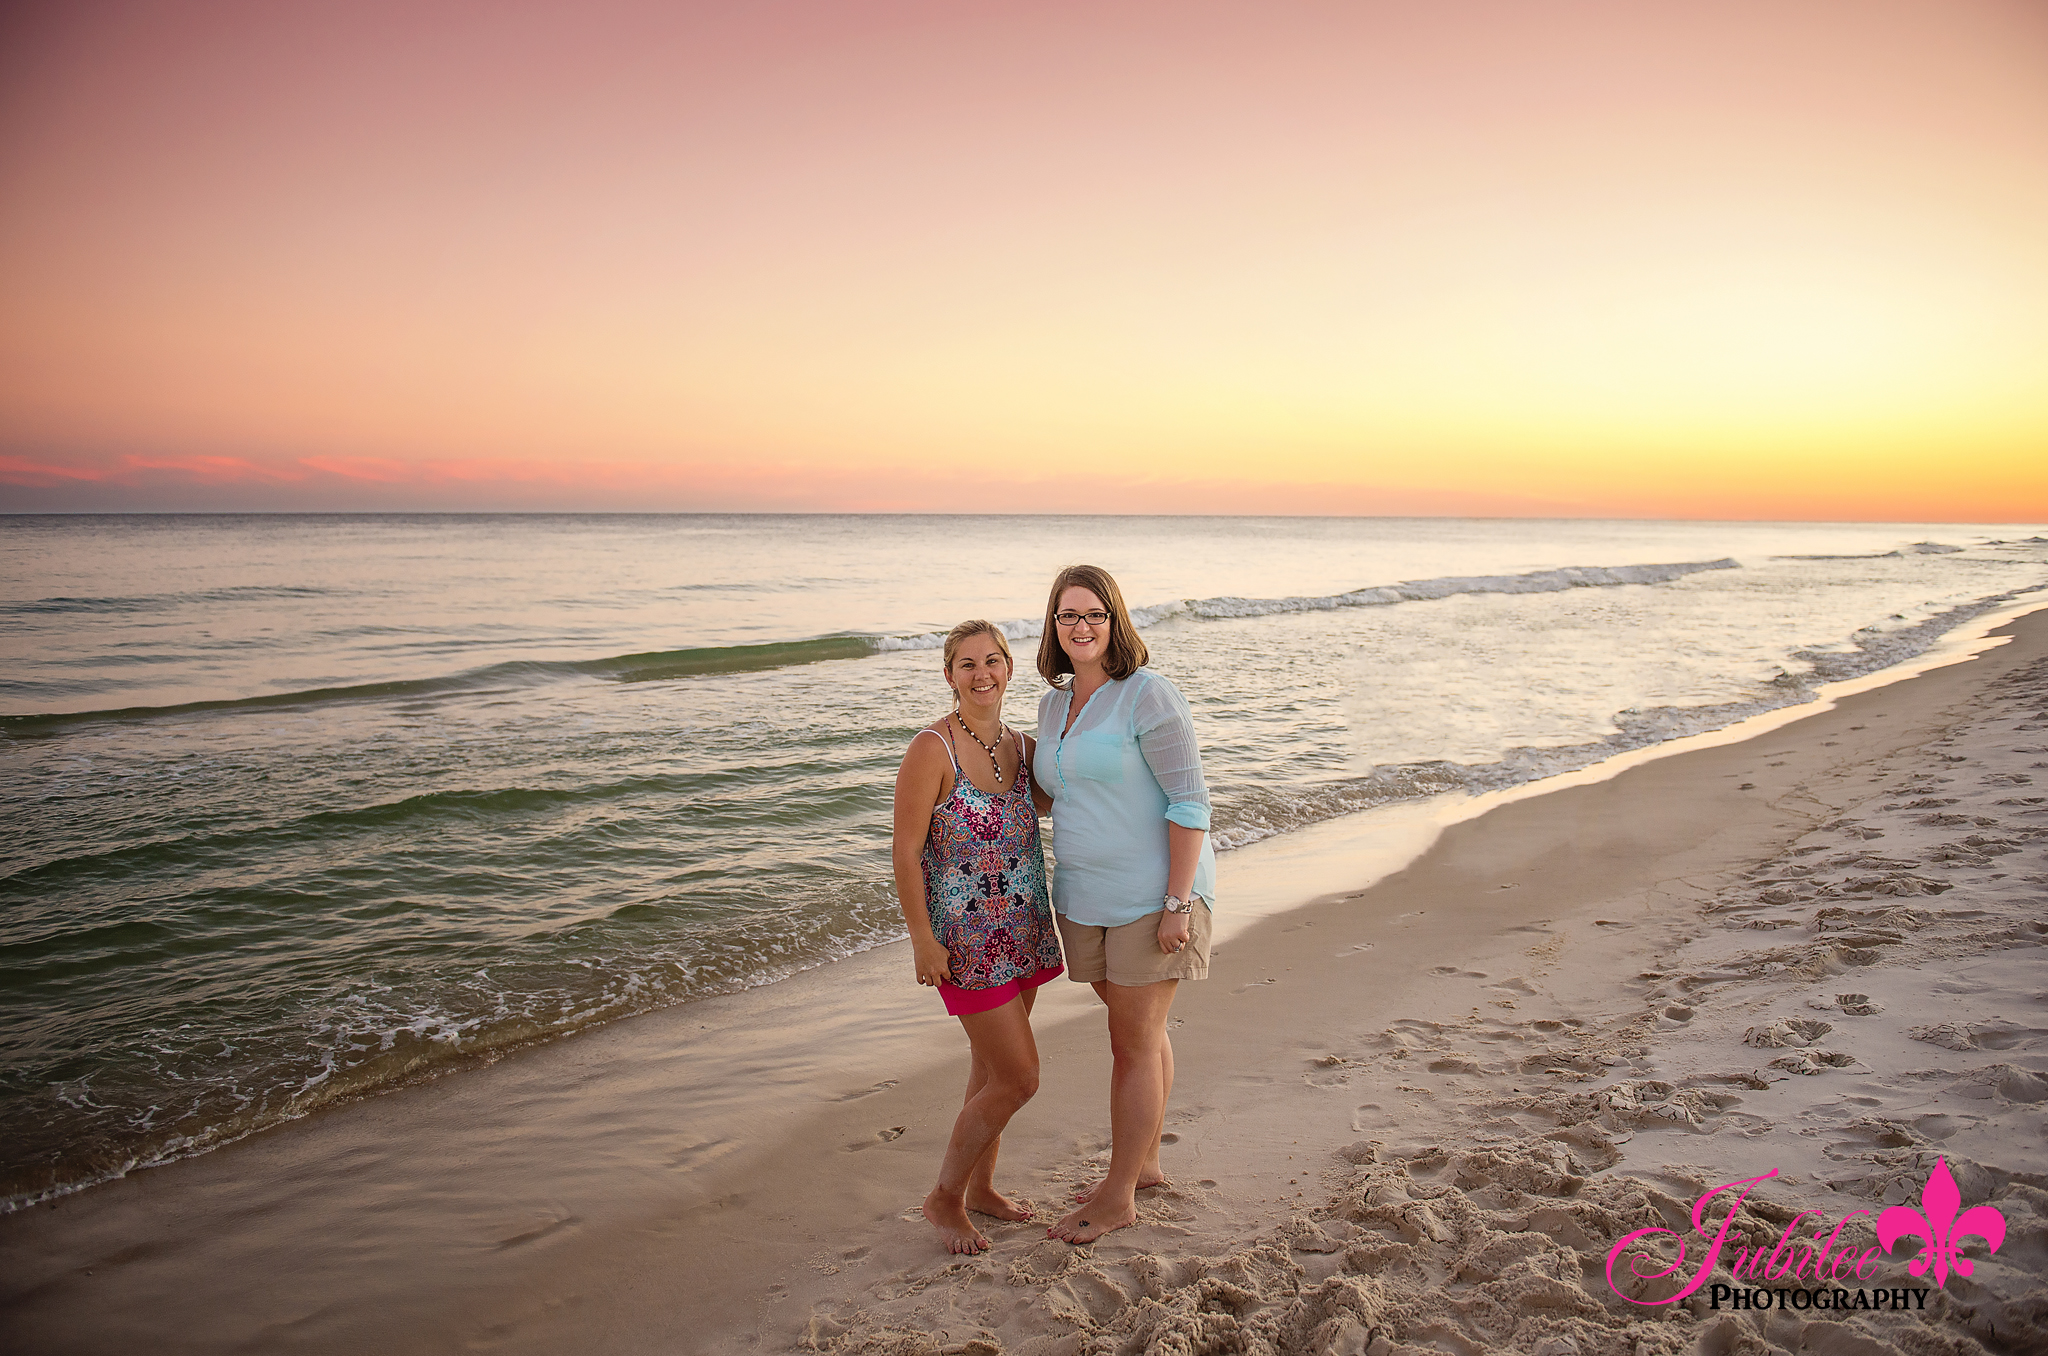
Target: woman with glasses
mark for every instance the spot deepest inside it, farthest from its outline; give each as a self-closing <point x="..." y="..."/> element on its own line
<point x="970" y="876"/>
<point x="1135" y="873"/>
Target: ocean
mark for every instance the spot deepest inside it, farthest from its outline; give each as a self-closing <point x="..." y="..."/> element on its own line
<point x="304" y="807"/>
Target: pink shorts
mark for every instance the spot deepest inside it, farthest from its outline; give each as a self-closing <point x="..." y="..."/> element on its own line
<point x="963" y="1002"/>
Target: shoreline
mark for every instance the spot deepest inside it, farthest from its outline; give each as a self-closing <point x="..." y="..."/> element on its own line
<point x="576" y="1193"/>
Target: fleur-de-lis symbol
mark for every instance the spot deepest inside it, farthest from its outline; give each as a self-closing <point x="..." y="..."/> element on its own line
<point x="1940" y="1226"/>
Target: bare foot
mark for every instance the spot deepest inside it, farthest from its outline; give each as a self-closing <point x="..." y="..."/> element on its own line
<point x="949" y="1216"/>
<point x="1091" y="1221"/>
<point x="989" y="1201"/>
<point x="1149" y="1177"/>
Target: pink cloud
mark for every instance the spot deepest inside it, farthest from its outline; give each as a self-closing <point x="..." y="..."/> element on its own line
<point x="213" y="468"/>
<point x="22" y="471"/>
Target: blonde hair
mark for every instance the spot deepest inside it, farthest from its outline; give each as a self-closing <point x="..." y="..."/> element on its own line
<point x="967" y="631"/>
<point x="1123" y="656"/>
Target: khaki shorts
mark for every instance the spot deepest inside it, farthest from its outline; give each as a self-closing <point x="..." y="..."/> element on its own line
<point x="1130" y="954"/>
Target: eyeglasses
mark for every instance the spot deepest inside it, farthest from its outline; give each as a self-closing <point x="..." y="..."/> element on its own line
<point x="1092" y="618"/>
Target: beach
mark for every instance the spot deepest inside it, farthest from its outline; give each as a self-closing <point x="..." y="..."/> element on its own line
<point x="1412" y="1114"/>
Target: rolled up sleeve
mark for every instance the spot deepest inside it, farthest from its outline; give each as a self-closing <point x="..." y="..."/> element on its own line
<point x="1166" y="738"/>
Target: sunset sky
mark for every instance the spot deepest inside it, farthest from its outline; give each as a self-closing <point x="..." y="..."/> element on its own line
<point x="1664" y="258"/>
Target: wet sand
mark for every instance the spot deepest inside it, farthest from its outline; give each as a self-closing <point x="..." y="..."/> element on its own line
<point x="1414" y="1113"/>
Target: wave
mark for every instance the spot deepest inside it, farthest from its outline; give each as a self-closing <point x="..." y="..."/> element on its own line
<point x="1918" y="548"/>
<point x="371" y="1036"/>
<point x="162" y="602"/>
<point x="656" y="665"/>
<point x="1385" y="595"/>
<point x="626" y="668"/>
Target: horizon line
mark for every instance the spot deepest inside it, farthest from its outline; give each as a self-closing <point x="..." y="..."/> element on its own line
<point x="939" y="513"/>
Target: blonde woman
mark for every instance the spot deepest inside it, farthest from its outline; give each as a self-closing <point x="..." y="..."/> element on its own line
<point x="1136" y="874"/>
<point x="970" y="875"/>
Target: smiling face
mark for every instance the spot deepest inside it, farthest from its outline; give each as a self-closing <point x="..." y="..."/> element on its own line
<point x="1085" y="641"/>
<point x="979" y="674"/>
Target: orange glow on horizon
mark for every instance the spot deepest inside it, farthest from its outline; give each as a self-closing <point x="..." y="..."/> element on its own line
<point x="1604" y="260"/>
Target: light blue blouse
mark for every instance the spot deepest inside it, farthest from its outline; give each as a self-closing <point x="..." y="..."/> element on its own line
<point x="1128" y="768"/>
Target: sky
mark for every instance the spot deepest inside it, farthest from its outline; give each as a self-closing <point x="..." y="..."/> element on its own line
<point x="1766" y="259"/>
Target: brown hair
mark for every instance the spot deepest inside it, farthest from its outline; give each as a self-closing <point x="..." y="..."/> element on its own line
<point x="1123" y="656"/>
<point x="967" y="631"/>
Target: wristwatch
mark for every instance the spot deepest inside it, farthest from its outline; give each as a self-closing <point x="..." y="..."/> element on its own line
<point x="1175" y="904"/>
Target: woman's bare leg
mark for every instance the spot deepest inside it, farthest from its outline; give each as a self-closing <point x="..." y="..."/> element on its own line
<point x="1150" y="1174"/>
<point x="981" y="1190"/>
<point x="1137" y="1106"/>
<point x="1004" y="1077"/>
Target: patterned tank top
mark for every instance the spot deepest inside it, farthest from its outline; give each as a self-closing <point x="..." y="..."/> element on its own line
<point x="984" y="881"/>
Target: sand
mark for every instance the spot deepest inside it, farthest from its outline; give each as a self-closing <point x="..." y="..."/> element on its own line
<point x="1412" y="1115"/>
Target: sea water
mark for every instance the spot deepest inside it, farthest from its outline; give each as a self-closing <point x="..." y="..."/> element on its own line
<point x="301" y="807"/>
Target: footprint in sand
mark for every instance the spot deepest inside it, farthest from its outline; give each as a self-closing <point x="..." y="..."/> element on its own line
<point x="1994" y="1034"/>
<point x="881" y="1137"/>
<point x="1786" y="1031"/>
<point x="537" y="1232"/>
<point x="682" y="1158"/>
<point x="882" y="1086"/>
<point x="1412" y="1033"/>
<point x="1368" y="1116"/>
<point x="1813" y="1061"/>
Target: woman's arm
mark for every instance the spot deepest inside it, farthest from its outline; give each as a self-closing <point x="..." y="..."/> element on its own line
<point x="920" y="780"/>
<point x="1183" y="852"/>
<point x="1040" y="800"/>
<point x="1166" y="738"/>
